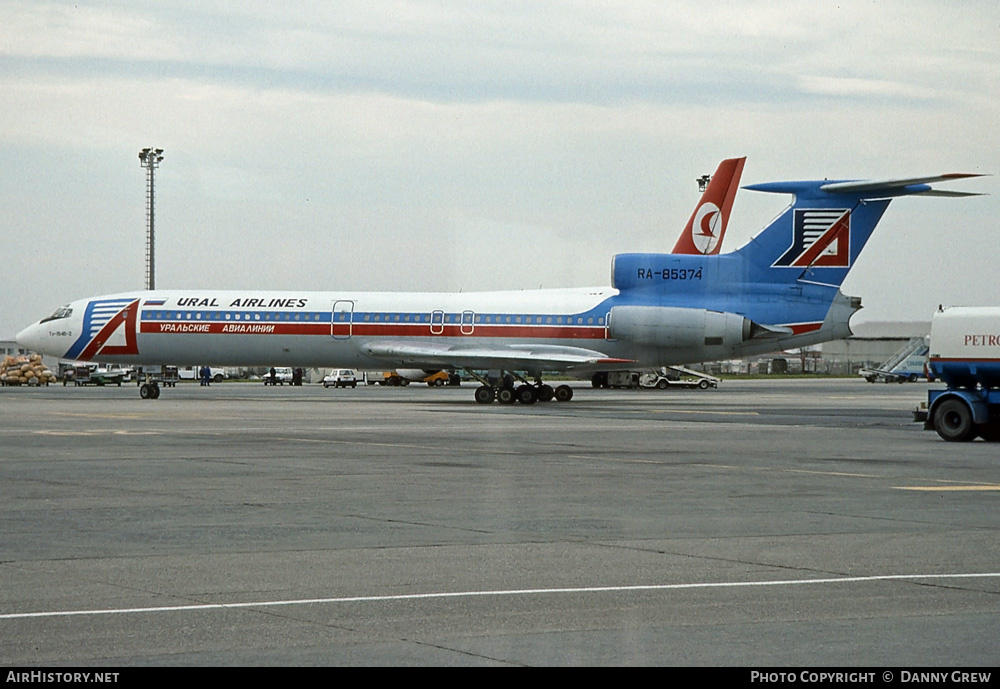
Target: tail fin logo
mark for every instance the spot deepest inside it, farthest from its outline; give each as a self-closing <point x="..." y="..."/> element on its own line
<point x="108" y="328"/>
<point x="706" y="226"/>
<point x="820" y="237"/>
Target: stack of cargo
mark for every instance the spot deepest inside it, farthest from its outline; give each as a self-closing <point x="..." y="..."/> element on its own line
<point x="25" y="370"/>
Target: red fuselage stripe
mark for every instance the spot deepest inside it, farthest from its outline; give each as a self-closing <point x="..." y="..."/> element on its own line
<point x="374" y="329"/>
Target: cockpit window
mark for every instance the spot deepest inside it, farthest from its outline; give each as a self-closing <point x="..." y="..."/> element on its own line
<point x="61" y="312"/>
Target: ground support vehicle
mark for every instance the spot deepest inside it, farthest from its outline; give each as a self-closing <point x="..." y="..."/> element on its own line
<point x="906" y="365"/>
<point x="385" y="378"/>
<point x="95" y="375"/>
<point x="965" y="355"/>
<point x="441" y="378"/>
<point x="667" y="377"/>
<point x="677" y="377"/>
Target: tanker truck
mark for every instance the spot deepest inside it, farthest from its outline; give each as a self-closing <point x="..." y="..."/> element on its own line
<point x="965" y="355"/>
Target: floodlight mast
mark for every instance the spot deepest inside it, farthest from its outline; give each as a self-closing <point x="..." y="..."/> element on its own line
<point x="150" y="158"/>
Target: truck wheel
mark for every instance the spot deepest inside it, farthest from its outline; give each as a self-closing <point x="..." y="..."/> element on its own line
<point x="953" y="421"/>
<point x="703" y="385"/>
<point x="662" y="384"/>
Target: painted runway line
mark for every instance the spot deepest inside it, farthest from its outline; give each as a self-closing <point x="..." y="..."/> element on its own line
<point x="499" y="593"/>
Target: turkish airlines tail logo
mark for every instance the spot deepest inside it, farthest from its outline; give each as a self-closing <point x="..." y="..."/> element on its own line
<point x="706" y="228"/>
<point x="108" y="329"/>
<point x="820" y="238"/>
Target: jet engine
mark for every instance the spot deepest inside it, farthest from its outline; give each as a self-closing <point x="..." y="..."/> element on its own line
<point x="678" y="327"/>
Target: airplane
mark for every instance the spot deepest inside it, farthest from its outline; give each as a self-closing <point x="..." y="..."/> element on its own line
<point x="779" y="291"/>
<point x="706" y="228"/>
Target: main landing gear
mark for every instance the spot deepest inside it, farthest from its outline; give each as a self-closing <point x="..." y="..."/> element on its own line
<point x="505" y="391"/>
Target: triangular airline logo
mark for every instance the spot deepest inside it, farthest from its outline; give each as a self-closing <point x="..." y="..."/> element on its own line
<point x="112" y="326"/>
<point x="820" y="238"/>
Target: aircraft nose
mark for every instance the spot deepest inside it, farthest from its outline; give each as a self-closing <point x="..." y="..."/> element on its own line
<point x="31" y="338"/>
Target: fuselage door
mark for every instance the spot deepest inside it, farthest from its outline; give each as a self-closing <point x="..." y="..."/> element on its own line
<point x="342" y="319"/>
<point x="437" y="322"/>
<point x="468" y="322"/>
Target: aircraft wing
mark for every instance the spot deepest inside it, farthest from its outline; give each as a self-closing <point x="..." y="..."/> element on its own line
<point x="533" y="358"/>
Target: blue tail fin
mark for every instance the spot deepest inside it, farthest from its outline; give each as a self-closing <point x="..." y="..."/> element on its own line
<point x="820" y="236"/>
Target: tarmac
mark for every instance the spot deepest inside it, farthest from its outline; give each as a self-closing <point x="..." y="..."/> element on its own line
<point x="769" y="523"/>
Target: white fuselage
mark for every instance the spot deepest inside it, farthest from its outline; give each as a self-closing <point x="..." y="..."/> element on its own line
<point x="313" y="328"/>
<point x="571" y="330"/>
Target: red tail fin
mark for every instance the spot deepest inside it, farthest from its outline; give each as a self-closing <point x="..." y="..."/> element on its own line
<point x="704" y="231"/>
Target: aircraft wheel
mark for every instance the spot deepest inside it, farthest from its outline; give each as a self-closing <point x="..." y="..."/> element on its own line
<point x="545" y="393"/>
<point x="953" y="421"/>
<point x="145" y="391"/>
<point x="156" y="391"/>
<point x="564" y="393"/>
<point x="506" y="396"/>
<point x="526" y="394"/>
<point x="485" y="394"/>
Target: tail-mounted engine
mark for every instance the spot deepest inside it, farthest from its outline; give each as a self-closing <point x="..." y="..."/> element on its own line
<point x="677" y="327"/>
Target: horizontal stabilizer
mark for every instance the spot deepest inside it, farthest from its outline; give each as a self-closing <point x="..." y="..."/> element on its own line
<point x="865" y="186"/>
<point x="867" y="189"/>
<point x="950" y="194"/>
<point x="916" y="186"/>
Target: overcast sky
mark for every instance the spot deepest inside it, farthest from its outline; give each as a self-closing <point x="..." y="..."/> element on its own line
<point x="467" y="146"/>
